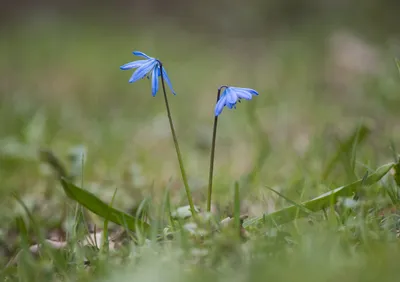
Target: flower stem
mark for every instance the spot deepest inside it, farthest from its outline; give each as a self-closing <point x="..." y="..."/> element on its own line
<point x="210" y="178"/>
<point x="178" y="152"/>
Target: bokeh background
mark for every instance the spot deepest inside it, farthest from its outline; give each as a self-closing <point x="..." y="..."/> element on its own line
<point x="321" y="68"/>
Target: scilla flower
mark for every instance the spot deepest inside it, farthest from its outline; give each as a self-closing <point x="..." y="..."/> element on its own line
<point x="146" y="68"/>
<point x="231" y="96"/>
<point x="153" y="68"/>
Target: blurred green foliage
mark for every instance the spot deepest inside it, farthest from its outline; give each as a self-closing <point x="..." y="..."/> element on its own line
<point x="61" y="89"/>
<point x="61" y="86"/>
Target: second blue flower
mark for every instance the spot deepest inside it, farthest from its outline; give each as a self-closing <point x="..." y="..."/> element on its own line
<point x="231" y="96"/>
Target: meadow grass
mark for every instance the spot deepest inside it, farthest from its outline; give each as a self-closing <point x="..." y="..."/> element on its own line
<point x="62" y="92"/>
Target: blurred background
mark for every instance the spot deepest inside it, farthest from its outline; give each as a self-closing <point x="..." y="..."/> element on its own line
<point x="321" y="68"/>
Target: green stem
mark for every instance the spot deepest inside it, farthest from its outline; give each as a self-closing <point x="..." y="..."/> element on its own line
<point x="178" y="152"/>
<point x="210" y="178"/>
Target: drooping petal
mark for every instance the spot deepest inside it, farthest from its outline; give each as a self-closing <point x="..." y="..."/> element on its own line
<point x="231" y="97"/>
<point x="241" y="94"/>
<point x="220" y="105"/>
<point x="165" y="75"/>
<point x="142" y="71"/>
<point x="133" y="65"/>
<point x="252" y="91"/>
<point x="141" y="54"/>
<point x="154" y="80"/>
<point x="231" y="105"/>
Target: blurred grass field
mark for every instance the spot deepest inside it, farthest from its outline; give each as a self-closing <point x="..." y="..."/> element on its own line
<point x="61" y="89"/>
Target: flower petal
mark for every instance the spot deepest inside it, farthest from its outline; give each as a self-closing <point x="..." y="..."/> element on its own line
<point x="141" y="54"/>
<point x="241" y="94"/>
<point x="154" y="80"/>
<point x="165" y="75"/>
<point x="143" y="70"/>
<point x="220" y="105"/>
<point x="231" y="106"/>
<point x="231" y="96"/>
<point x="252" y="91"/>
<point x="133" y="65"/>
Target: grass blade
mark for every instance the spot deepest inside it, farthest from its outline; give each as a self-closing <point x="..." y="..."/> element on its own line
<point x="397" y="174"/>
<point x="299" y="206"/>
<point x="325" y="200"/>
<point x="48" y="157"/>
<point x="105" y="243"/>
<point x="236" y="211"/>
<point x="396" y="157"/>
<point x="32" y="220"/>
<point x="346" y="147"/>
<point x="23" y="231"/>
<point x="97" y="206"/>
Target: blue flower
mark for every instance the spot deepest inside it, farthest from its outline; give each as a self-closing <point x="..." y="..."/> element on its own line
<point x="146" y="68"/>
<point x="231" y="96"/>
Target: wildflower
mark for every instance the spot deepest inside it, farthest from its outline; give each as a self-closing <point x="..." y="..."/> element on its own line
<point x="231" y="96"/>
<point x="146" y="68"/>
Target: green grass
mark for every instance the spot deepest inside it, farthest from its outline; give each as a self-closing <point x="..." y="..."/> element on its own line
<point x="305" y="135"/>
